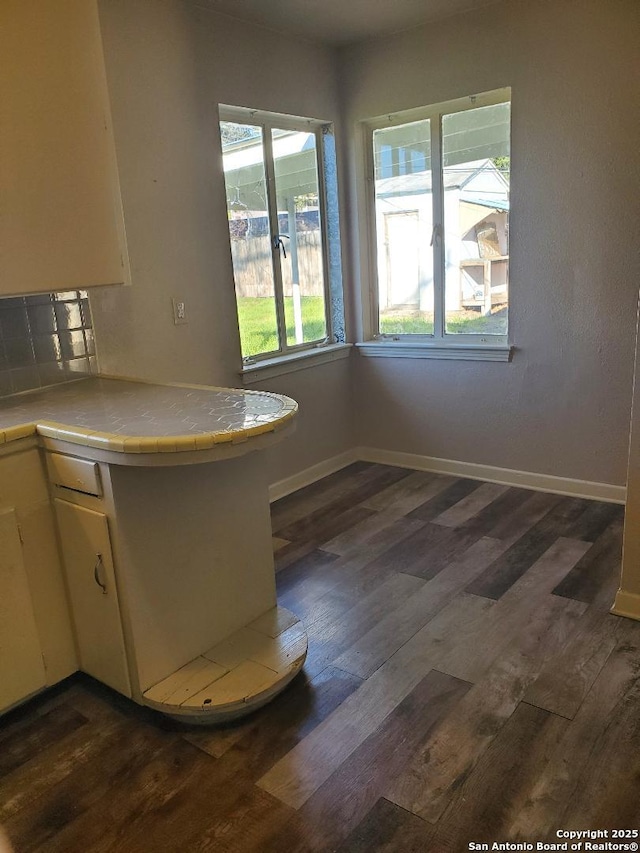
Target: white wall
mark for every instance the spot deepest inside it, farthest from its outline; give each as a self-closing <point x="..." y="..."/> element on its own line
<point x="169" y="64"/>
<point x="562" y="407"/>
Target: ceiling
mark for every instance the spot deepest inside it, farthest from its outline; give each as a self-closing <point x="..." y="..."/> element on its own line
<point x="340" y="22"/>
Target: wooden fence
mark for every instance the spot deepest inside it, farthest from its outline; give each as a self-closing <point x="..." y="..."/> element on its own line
<point x="253" y="272"/>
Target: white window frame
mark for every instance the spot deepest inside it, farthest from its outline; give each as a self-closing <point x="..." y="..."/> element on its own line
<point x="439" y="344"/>
<point x="268" y="121"/>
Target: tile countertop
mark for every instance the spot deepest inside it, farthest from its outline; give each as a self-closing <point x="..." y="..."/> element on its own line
<point x="130" y="416"/>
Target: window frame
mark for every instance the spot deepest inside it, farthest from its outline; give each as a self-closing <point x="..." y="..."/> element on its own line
<point x="440" y="344"/>
<point x="268" y="121"/>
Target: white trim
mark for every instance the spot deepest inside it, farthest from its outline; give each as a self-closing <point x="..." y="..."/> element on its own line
<point x="488" y="473"/>
<point x="627" y="604"/>
<point x="284" y="121"/>
<point x="433" y="113"/>
<point x="491" y="474"/>
<point x="311" y="475"/>
<point x="267" y="368"/>
<point x="405" y="349"/>
<point x="268" y="122"/>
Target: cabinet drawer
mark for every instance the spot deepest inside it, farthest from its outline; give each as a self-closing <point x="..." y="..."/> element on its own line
<point x="77" y="474"/>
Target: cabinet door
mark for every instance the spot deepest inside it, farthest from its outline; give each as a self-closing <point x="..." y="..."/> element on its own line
<point x="21" y="665"/>
<point x="86" y="550"/>
<point x="60" y="211"/>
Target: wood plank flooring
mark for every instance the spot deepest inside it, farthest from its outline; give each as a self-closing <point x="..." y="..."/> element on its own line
<point x="465" y="682"/>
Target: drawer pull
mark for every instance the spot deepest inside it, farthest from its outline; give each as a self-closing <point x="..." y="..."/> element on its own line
<point x="98" y="574"/>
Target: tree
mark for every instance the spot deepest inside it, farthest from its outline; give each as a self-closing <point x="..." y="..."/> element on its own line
<point x="232" y="132"/>
<point x="503" y="164"/>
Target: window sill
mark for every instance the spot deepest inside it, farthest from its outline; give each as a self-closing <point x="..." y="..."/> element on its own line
<point x="271" y="367"/>
<point x="466" y="352"/>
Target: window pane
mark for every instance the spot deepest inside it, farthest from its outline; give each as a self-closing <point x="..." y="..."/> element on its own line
<point x="247" y="211"/>
<point x="297" y="195"/>
<point x="404" y="223"/>
<point x="475" y="147"/>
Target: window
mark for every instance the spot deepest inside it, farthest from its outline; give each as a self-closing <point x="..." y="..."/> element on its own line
<point x="279" y="172"/>
<point x="440" y="210"/>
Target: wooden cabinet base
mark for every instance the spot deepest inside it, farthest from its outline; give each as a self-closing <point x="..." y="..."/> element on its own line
<point x="236" y="676"/>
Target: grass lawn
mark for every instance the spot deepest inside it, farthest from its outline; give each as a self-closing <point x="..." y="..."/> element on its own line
<point x="258" y="328"/>
<point x="458" y="322"/>
<point x="257" y="318"/>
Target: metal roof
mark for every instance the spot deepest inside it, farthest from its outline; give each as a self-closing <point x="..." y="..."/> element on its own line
<point x="453" y="177"/>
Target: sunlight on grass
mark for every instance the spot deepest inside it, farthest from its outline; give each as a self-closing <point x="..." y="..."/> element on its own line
<point x="258" y="328"/>
<point x="406" y="324"/>
<point x="259" y="335"/>
<point x="459" y="322"/>
<point x="470" y="323"/>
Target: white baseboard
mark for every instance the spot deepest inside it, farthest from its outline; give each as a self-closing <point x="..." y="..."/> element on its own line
<point x="489" y="473"/>
<point x="627" y="604"/>
<point x="310" y="475"/>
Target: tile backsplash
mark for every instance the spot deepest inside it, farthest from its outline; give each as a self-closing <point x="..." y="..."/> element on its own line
<point x="44" y="340"/>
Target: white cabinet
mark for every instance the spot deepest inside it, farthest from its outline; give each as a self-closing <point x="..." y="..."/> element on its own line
<point x="36" y="641"/>
<point x="61" y="225"/>
<point x="88" y="561"/>
<point x="21" y="665"/>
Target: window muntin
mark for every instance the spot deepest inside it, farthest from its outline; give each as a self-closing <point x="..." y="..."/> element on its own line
<point x="275" y="207"/>
<point x="441" y="209"/>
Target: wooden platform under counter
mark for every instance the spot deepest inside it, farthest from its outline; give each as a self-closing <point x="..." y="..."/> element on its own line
<point x="236" y="676"/>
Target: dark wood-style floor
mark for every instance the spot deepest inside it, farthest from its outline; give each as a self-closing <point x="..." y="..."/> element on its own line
<point x="465" y="682"/>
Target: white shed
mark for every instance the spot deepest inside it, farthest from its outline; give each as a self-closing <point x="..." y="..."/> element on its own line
<point x="476" y="204"/>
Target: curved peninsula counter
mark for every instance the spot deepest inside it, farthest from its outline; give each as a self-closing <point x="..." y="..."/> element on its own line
<point x="164" y="526"/>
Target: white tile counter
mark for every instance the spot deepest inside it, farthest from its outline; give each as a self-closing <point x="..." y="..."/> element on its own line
<point x="128" y="416"/>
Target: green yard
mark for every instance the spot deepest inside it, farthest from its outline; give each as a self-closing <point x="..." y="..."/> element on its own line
<point x="461" y="322"/>
<point x="258" y="329"/>
<point x="258" y="334"/>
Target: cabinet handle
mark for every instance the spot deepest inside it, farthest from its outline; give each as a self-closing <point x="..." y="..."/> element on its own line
<point x="98" y="574"/>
